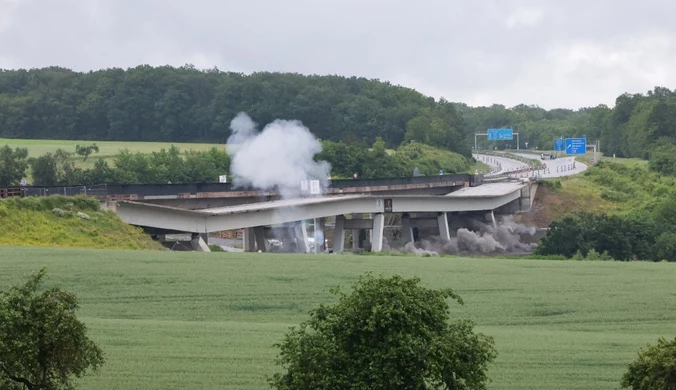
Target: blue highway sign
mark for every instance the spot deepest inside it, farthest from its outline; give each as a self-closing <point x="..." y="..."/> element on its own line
<point x="576" y="145"/>
<point x="500" y="134"/>
<point x="559" y="145"/>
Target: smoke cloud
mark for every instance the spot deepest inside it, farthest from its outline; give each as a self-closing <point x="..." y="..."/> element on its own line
<point x="278" y="157"/>
<point x="475" y="238"/>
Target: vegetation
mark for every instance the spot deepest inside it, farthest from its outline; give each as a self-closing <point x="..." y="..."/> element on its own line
<point x="201" y="166"/>
<point x="188" y="105"/>
<point x="66" y="222"/>
<point x="42" y="343"/>
<point x="209" y="321"/>
<point x="654" y="369"/>
<point x="389" y="333"/>
<point x="86" y="150"/>
<point x="621" y="208"/>
<point x="13" y="165"/>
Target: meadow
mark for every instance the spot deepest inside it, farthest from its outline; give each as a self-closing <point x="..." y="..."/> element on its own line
<point x="107" y="149"/>
<point x="172" y="320"/>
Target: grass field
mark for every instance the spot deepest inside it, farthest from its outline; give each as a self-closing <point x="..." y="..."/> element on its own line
<point x="107" y="149"/>
<point x="171" y="320"/>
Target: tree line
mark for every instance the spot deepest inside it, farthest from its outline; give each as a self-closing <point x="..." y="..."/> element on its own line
<point x="185" y="104"/>
<point x="172" y="165"/>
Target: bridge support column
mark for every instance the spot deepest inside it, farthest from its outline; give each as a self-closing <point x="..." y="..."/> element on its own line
<point x="406" y="229"/>
<point x="320" y="228"/>
<point x="205" y="237"/>
<point x="490" y="217"/>
<point x="261" y="242"/>
<point x="339" y="234"/>
<point x="249" y="240"/>
<point x="355" y="238"/>
<point x="378" y="230"/>
<point x="301" y="237"/>
<point x="198" y="243"/>
<point x="444" y="231"/>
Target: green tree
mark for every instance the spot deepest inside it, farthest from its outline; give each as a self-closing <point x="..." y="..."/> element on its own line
<point x="55" y="168"/>
<point x="389" y="333"/>
<point x="654" y="369"/>
<point x="663" y="159"/>
<point x="13" y="165"/>
<point x="42" y="343"/>
<point x="86" y="150"/>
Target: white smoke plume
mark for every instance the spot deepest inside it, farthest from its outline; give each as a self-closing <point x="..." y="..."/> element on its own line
<point x="278" y="157"/>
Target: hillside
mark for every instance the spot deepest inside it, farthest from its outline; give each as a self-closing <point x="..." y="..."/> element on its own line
<point x="615" y="186"/>
<point x="57" y="221"/>
<point x="188" y="105"/>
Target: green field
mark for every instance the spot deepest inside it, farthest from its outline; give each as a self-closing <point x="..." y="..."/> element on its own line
<point x="107" y="149"/>
<point x="171" y="320"/>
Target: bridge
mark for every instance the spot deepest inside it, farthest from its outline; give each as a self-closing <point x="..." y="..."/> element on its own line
<point x="209" y="195"/>
<point x="420" y="203"/>
<point x="288" y="215"/>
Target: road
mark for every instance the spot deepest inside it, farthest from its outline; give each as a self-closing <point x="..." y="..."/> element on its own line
<point x="560" y="167"/>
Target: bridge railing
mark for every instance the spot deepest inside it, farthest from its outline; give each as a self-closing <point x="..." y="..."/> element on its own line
<point x="99" y="190"/>
<point x="143" y="190"/>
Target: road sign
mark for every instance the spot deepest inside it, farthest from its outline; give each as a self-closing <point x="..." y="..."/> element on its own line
<point x="559" y="145"/>
<point x="500" y="134"/>
<point x="315" y="188"/>
<point x="222" y="178"/>
<point x="576" y="145"/>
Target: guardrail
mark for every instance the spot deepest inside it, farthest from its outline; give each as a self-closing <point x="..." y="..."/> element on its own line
<point x="532" y="162"/>
<point x="105" y="191"/>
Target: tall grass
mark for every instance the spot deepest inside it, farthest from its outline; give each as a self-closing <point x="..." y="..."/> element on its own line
<point x="66" y="222"/>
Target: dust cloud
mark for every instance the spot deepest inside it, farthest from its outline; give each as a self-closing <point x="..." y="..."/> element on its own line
<point x="476" y="238"/>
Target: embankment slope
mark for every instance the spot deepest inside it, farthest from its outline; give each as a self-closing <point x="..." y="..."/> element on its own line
<point x="57" y="221"/>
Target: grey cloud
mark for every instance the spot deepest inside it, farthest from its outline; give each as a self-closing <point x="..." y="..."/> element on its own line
<point x="551" y="53"/>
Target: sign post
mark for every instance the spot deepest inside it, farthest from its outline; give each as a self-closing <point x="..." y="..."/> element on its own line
<point x="559" y="145"/>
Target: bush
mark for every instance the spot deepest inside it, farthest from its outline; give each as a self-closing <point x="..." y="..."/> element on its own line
<point x="654" y="368"/>
<point x="584" y="235"/>
<point x="389" y="333"/>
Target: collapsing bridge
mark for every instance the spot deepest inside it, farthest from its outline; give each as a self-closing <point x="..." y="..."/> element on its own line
<point x="290" y="214"/>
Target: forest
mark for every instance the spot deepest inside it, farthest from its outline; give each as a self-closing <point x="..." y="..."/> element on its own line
<point x="185" y="104"/>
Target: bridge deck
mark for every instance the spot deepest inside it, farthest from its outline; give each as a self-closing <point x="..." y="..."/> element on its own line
<point x="277" y="204"/>
<point x="487" y="190"/>
<point x="292" y="210"/>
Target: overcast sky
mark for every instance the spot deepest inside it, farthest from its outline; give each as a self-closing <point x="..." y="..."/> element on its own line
<point x="551" y="53"/>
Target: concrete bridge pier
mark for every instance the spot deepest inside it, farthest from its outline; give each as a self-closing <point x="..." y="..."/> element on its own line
<point x="300" y="230"/>
<point x="249" y="240"/>
<point x="198" y="244"/>
<point x="320" y="234"/>
<point x="376" y="225"/>
<point x="490" y="217"/>
<point x="406" y="229"/>
<point x="377" y="232"/>
<point x="444" y="231"/>
<point x="339" y="234"/>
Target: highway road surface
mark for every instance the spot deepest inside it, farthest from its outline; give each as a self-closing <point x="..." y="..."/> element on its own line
<point x="560" y="167"/>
